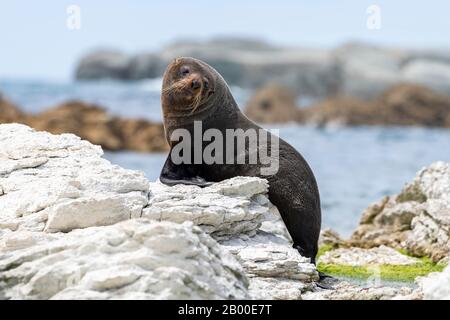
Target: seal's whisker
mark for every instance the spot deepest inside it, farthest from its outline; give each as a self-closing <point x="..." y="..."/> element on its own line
<point x="197" y="99"/>
<point x="170" y="88"/>
<point x="175" y="87"/>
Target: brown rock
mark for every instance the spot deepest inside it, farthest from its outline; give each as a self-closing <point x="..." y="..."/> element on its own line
<point x="408" y="104"/>
<point x="339" y="110"/>
<point x="402" y="105"/>
<point x="272" y="104"/>
<point x="87" y="121"/>
<point x="142" y="135"/>
<point x="9" y="112"/>
<point x="92" y="123"/>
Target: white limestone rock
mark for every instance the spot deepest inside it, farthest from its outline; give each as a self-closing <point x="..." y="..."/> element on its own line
<point x="135" y="259"/>
<point x="430" y="231"/>
<point x="365" y="257"/>
<point x="271" y="262"/>
<point x="266" y="255"/>
<point x="417" y="219"/>
<point x="433" y="182"/>
<point x="347" y="291"/>
<point x="237" y="213"/>
<point x="224" y="210"/>
<point x="61" y="207"/>
<point x="60" y="183"/>
<point x="430" y="234"/>
<point x="274" y="224"/>
<point x="63" y="234"/>
<point x="261" y="288"/>
<point x="436" y="286"/>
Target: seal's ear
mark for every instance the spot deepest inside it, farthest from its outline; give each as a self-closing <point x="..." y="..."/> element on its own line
<point x="176" y="61"/>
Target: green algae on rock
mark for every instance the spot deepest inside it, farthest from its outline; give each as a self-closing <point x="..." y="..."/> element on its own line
<point x="406" y="269"/>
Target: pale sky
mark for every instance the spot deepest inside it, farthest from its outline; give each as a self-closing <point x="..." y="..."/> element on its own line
<point x="35" y="42"/>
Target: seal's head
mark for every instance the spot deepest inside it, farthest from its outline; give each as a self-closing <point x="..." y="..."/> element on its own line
<point x="188" y="84"/>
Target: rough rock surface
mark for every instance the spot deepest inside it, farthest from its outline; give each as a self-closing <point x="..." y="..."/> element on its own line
<point x="417" y="219"/>
<point x="236" y="212"/>
<point x="60" y="183"/>
<point x="136" y="259"/>
<point x="436" y="286"/>
<point x="271" y="262"/>
<point x="62" y="212"/>
<point x="365" y="257"/>
<point x="330" y="238"/>
<point x="224" y="209"/>
<point x="346" y="291"/>
<point x="72" y="225"/>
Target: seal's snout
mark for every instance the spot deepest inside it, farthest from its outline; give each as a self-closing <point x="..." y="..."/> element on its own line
<point x="196" y="84"/>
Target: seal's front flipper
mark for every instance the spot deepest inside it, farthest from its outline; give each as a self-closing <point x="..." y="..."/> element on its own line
<point x="196" y="181"/>
<point x="199" y="181"/>
<point x="326" y="281"/>
<point x="325" y="286"/>
<point x="323" y="276"/>
<point x="172" y="174"/>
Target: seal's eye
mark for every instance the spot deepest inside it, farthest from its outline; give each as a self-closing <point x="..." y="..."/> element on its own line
<point x="184" y="71"/>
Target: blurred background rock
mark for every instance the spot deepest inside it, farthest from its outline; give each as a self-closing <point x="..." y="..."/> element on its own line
<point x="355" y="69"/>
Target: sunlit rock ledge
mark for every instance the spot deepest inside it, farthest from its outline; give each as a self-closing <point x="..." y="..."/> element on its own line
<point x="75" y="226"/>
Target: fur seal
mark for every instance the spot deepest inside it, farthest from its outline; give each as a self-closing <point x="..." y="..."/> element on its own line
<point x="193" y="91"/>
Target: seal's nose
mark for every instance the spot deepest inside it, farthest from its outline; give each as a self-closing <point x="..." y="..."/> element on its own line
<point x="195" y="84"/>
